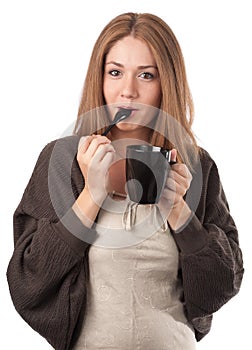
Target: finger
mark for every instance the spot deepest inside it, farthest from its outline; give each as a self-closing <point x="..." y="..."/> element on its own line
<point x="84" y="143"/>
<point x="102" y="150"/>
<point x="177" y="184"/>
<point x="108" y="159"/>
<point x="169" y="197"/>
<point x="180" y="180"/>
<point x="168" y="193"/>
<point x="181" y="170"/>
<point x="170" y="184"/>
<point x="173" y="159"/>
<point x="96" y="141"/>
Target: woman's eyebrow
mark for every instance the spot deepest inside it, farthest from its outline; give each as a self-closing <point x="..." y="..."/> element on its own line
<point x="115" y="63"/>
<point x="147" y="66"/>
<point x="139" y="67"/>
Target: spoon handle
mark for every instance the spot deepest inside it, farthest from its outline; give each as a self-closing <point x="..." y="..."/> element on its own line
<point x="120" y="115"/>
<point x="107" y="130"/>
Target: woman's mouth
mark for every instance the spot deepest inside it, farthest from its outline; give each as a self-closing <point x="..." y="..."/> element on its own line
<point x="131" y="109"/>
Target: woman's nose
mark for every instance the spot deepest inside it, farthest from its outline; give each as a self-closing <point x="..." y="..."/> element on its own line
<point x="129" y="89"/>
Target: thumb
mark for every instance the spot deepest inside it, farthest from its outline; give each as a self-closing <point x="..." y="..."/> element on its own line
<point x="82" y="141"/>
<point x="173" y="159"/>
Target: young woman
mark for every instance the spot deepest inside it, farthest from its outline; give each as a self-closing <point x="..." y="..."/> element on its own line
<point x="157" y="290"/>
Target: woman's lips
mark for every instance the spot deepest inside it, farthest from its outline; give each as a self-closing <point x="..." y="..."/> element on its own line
<point x="132" y="109"/>
<point x="132" y="113"/>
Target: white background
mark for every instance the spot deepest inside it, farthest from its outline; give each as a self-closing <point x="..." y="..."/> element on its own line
<point x="45" y="49"/>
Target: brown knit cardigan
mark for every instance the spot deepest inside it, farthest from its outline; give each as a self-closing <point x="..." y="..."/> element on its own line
<point x="48" y="272"/>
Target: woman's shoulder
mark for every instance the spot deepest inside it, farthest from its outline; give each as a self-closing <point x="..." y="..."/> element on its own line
<point x="204" y="165"/>
<point x="205" y="155"/>
<point x="58" y="150"/>
<point x="63" y="144"/>
<point x="56" y="169"/>
<point x="56" y="156"/>
<point x="208" y="166"/>
<point x="205" y="158"/>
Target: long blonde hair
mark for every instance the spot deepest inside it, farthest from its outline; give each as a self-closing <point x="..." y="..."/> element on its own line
<point x="176" y="100"/>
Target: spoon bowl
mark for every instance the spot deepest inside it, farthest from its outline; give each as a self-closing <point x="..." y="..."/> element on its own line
<point x="122" y="114"/>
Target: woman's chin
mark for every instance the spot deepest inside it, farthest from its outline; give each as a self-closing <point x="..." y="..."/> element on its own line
<point x="129" y="126"/>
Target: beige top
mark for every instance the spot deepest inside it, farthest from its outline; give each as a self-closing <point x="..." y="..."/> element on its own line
<point x="134" y="296"/>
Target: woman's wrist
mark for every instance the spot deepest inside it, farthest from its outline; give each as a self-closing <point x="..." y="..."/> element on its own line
<point x="179" y="215"/>
<point x="86" y="207"/>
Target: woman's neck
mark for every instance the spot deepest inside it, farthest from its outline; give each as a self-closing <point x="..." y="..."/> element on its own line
<point x="120" y="140"/>
<point x="141" y="134"/>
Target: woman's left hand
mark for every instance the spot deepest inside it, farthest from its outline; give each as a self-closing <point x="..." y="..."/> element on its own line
<point x="172" y="204"/>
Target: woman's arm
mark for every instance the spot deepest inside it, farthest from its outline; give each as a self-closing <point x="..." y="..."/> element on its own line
<point x="210" y="256"/>
<point x="95" y="155"/>
<point x="48" y="271"/>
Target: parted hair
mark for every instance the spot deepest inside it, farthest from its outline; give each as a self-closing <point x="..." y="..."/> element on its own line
<point x="176" y="100"/>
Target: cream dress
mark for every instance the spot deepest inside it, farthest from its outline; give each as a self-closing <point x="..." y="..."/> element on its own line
<point x="134" y="297"/>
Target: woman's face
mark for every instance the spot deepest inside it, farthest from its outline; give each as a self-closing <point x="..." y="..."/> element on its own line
<point x="131" y="80"/>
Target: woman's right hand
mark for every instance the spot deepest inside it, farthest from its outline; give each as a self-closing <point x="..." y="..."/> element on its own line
<point x="95" y="155"/>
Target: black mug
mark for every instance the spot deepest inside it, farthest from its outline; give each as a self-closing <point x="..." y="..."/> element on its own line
<point x="147" y="168"/>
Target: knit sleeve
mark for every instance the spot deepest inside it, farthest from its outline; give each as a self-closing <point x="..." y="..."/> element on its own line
<point x="48" y="271"/>
<point x="210" y="256"/>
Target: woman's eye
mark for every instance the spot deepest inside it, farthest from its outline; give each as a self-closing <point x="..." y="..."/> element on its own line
<point x="114" y="73"/>
<point x="146" y="75"/>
